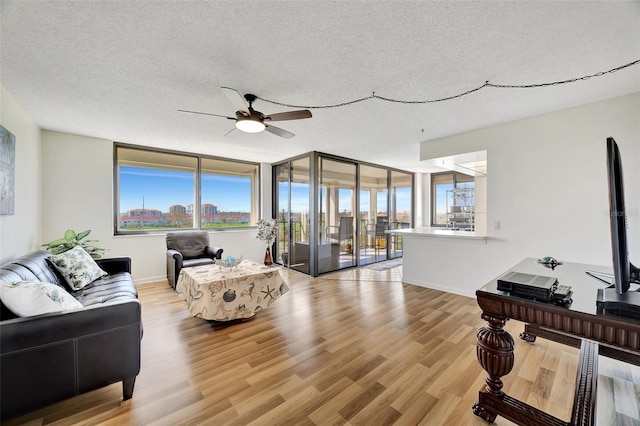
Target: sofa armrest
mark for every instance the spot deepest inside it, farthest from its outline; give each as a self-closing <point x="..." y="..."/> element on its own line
<point x="50" y="357"/>
<point x="19" y="334"/>
<point x="174" y="265"/>
<point x="214" y="252"/>
<point x="175" y="254"/>
<point x="113" y="265"/>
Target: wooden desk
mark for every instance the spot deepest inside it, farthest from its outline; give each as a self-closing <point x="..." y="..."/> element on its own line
<point x="579" y="324"/>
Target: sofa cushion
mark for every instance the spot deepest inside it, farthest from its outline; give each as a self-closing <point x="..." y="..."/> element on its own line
<point x="197" y="262"/>
<point x="113" y="288"/>
<point x="77" y="267"/>
<point x="191" y="244"/>
<point x="30" y="267"/>
<point x="25" y="298"/>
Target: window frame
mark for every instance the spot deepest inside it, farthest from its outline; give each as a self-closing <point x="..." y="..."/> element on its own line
<point x="454" y="181"/>
<point x="255" y="178"/>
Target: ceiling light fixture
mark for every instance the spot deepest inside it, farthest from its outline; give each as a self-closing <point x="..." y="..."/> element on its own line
<point x="251" y="124"/>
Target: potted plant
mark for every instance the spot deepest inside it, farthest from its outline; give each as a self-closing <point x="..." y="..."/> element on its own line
<point x="72" y="239"/>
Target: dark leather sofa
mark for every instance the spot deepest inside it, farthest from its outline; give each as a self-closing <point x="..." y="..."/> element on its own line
<point x="186" y="249"/>
<point x="50" y="357"/>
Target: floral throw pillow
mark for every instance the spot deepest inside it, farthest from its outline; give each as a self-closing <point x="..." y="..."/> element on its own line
<point x="26" y="298"/>
<point x="77" y="267"/>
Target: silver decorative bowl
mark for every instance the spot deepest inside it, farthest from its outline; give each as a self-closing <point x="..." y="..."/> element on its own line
<point x="229" y="262"/>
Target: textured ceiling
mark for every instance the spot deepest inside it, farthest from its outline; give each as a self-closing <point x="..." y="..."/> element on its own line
<point x="120" y="69"/>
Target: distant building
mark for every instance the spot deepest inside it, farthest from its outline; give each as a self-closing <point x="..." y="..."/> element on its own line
<point x="144" y="212"/>
<point x="177" y="209"/>
<point x="209" y="210"/>
<point x="142" y="218"/>
<point x="205" y="210"/>
<point x="227" y="218"/>
<point x="209" y="219"/>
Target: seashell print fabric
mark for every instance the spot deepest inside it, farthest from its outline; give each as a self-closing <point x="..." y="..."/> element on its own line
<point x="217" y="294"/>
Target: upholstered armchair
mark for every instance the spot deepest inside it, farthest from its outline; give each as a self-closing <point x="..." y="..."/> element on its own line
<point x="186" y="249"/>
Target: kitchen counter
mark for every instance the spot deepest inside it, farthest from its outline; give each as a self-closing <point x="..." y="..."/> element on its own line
<point x="437" y="233"/>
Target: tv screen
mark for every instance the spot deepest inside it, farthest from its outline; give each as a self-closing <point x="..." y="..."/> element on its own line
<point x="619" y="300"/>
<point x="618" y="219"/>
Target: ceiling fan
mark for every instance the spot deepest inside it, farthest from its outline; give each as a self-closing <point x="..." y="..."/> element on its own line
<point x="251" y="121"/>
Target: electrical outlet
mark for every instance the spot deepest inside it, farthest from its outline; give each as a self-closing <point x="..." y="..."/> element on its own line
<point x="496" y="225"/>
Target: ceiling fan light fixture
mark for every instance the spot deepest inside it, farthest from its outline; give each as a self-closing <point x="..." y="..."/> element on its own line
<point x="249" y="120"/>
<point x="250" y="124"/>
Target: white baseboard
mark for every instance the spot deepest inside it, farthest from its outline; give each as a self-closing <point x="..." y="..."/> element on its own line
<point x="458" y="291"/>
<point x="150" y="279"/>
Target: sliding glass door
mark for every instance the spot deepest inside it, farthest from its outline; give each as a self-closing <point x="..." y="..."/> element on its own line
<point x="374" y="214"/>
<point x="336" y="215"/>
<point x="282" y="189"/>
<point x="401" y="206"/>
<point x="292" y="200"/>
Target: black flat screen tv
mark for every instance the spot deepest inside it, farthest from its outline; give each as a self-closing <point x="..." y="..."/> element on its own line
<point x="619" y="299"/>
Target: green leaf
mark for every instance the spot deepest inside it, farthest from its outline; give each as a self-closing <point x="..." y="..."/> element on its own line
<point x="72" y="239"/>
<point x="55" y="243"/>
<point x="83" y="234"/>
<point x="69" y="235"/>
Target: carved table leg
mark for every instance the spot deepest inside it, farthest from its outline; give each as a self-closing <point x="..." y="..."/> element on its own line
<point x="484" y="414"/>
<point x="495" y="354"/>
<point x="526" y="335"/>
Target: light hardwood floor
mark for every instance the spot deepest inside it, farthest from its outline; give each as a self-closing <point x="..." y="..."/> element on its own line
<point x="357" y="347"/>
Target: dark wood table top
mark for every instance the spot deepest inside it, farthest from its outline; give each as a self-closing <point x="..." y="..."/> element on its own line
<point x="584" y="287"/>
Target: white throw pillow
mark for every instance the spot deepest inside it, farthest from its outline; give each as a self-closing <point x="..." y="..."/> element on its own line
<point x="77" y="267"/>
<point x="25" y="298"/>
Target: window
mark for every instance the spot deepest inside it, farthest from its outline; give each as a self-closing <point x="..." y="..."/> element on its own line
<point x="229" y="193"/>
<point x="401" y="198"/>
<point x="164" y="190"/>
<point x="442" y="185"/>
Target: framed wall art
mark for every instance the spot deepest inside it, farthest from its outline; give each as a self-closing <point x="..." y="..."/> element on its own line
<point x="7" y="171"/>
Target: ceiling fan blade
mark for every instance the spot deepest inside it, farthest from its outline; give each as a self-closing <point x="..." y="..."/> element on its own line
<point x="237" y="100"/>
<point x="289" y="115"/>
<point x="206" y="113"/>
<point x="278" y="131"/>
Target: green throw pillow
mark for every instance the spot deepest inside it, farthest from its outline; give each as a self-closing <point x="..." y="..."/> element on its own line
<point x="77" y="267"/>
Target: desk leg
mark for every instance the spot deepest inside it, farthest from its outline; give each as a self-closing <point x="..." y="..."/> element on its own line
<point x="527" y="334"/>
<point x="495" y="354"/>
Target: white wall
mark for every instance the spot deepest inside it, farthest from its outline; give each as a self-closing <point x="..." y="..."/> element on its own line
<point x="78" y="194"/>
<point x="547" y="186"/>
<point x="20" y="232"/>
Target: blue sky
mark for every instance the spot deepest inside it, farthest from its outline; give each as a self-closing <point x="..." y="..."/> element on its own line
<point x="164" y="188"/>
